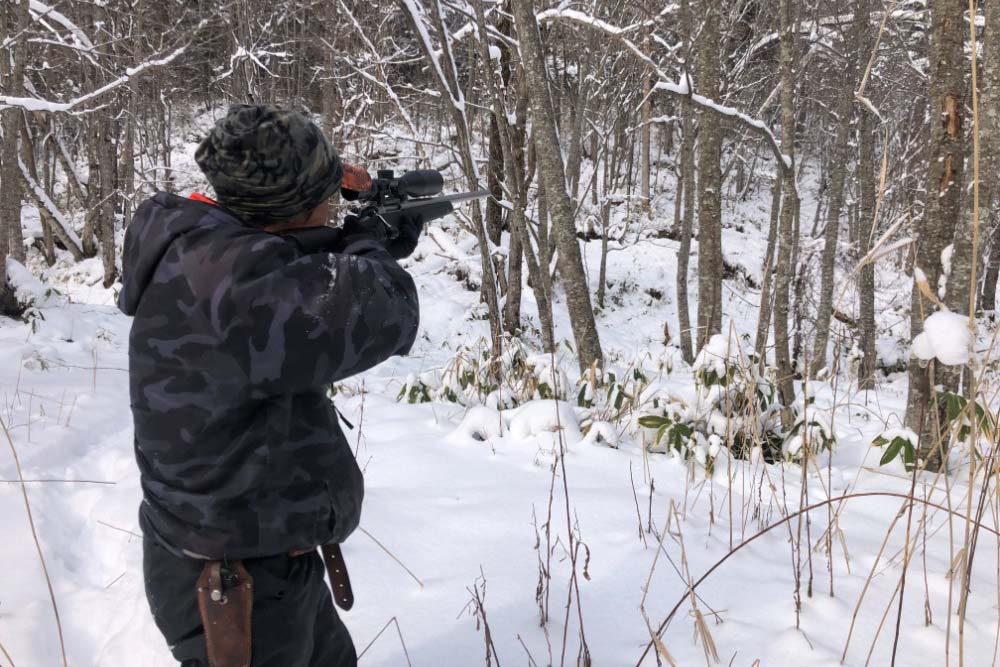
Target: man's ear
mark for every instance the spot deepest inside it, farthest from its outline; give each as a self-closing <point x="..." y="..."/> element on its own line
<point x="319" y="216"/>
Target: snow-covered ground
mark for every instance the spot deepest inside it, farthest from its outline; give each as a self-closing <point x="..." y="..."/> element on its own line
<point x="456" y="510"/>
<point x="458" y="498"/>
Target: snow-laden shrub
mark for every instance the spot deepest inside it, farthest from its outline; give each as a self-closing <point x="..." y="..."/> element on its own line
<point x="898" y="443"/>
<point x="611" y="394"/>
<point x="472" y="376"/>
<point x="736" y="406"/>
<point x="960" y="418"/>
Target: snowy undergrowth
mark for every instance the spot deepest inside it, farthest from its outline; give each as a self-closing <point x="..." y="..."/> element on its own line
<point x="457" y="496"/>
<point x="486" y="485"/>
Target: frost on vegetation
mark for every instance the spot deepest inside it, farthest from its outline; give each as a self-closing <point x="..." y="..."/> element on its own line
<point x="472" y="377"/>
<point x="946" y="337"/>
<point x="735" y="407"/>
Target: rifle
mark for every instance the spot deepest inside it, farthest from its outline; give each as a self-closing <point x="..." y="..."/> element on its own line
<point x="387" y="199"/>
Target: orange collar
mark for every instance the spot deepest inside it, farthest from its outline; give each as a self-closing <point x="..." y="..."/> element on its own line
<point x="195" y="196"/>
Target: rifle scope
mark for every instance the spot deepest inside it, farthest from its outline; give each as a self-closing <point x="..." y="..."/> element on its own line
<point x="417" y="183"/>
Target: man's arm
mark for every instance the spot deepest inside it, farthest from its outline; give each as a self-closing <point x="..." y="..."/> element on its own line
<point x="308" y="321"/>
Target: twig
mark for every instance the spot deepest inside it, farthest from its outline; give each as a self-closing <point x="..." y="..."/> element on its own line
<point x="392" y="556"/>
<point x="38" y="546"/>
<point x="782" y="521"/>
<point x="401" y="641"/>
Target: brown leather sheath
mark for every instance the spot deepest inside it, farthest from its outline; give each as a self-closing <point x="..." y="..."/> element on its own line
<point x="340" y="582"/>
<point x="225" y="600"/>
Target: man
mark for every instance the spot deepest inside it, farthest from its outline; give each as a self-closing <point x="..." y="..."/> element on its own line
<point x="238" y="332"/>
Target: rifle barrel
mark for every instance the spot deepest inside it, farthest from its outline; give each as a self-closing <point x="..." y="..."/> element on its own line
<point x="459" y="198"/>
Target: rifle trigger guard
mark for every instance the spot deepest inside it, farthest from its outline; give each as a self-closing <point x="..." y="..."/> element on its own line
<point x="391" y="232"/>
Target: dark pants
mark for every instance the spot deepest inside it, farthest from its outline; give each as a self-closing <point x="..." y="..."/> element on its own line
<point x="293" y="624"/>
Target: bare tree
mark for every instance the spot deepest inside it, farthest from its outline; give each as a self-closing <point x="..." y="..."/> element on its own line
<point x="15" y="23"/>
<point x="989" y="110"/>
<point x="785" y="271"/>
<point x="942" y="211"/>
<point x="710" y="261"/>
<point x="839" y="163"/>
<point x="553" y="173"/>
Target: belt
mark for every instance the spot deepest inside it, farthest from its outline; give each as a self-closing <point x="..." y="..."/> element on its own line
<point x="336" y="571"/>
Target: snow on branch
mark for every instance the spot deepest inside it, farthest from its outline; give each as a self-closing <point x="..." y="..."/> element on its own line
<point x="417" y="15"/>
<point x="40" y="10"/>
<point x="35" y="104"/>
<point x="666" y="85"/>
<point x="756" y="126"/>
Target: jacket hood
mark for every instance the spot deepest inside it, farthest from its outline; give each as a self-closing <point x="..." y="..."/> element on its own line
<point x="158" y="222"/>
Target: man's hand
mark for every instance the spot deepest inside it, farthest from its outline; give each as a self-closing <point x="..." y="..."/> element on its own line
<point x="405" y="242"/>
<point x="400" y="241"/>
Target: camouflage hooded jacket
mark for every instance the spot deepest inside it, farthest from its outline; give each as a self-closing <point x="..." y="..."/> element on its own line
<point x="236" y="336"/>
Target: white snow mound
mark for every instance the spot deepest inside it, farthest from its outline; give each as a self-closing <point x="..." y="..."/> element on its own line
<point x="545" y="417"/>
<point x="945" y="337"/>
<point x="480" y="423"/>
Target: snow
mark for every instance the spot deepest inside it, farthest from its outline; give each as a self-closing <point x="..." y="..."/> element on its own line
<point x="552" y="421"/>
<point x="31" y="222"/>
<point x="480" y="423"/>
<point x="27" y="288"/>
<point x="945" y="337"/>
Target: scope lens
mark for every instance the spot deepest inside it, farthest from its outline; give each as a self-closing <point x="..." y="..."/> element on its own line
<point x="421" y="183"/>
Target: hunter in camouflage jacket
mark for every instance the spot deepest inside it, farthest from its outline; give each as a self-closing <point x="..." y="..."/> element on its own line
<point x="236" y="337"/>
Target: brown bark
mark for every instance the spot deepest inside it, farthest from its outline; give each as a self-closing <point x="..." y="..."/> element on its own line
<point x="942" y="212"/>
<point x="866" y="275"/>
<point x="447" y="83"/>
<point x="839" y="160"/>
<point x="686" y="187"/>
<point x="553" y="173"/>
<point x="12" y="243"/>
<point x="784" y="270"/>
<point x="709" y="180"/>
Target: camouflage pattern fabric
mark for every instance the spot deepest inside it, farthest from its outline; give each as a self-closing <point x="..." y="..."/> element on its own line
<point x="237" y="333"/>
<point x="268" y="164"/>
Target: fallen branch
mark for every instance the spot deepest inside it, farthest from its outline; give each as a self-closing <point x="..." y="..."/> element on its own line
<point x="62" y="228"/>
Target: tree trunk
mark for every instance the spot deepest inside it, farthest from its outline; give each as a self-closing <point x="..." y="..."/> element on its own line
<point x="989" y="118"/>
<point x="553" y="173"/>
<point x="866" y="214"/>
<point x="942" y="212"/>
<point x="764" y="314"/>
<point x="784" y="271"/>
<point x="709" y="180"/>
<point x="840" y="158"/>
<point x="16" y="19"/>
<point x="686" y="187"/>
<point x="646" y="138"/>
<point x="446" y="80"/>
